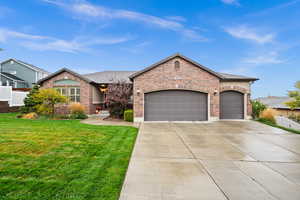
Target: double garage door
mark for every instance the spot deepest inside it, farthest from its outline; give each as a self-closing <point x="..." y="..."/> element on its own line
<point x="182" y="105"/>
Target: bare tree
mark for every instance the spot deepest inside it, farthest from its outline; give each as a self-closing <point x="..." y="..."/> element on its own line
<point x="118" y="96"/>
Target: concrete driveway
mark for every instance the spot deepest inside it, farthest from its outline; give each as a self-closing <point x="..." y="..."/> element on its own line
<point x="233" y="160"/>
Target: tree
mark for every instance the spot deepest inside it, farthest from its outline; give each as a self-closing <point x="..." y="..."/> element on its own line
<point x="48" y="98"/>
<point x="257" y="108"/>
<point x="31" y="103"/>
<point x="118" y="96"/>
<point x="295" y="103"/>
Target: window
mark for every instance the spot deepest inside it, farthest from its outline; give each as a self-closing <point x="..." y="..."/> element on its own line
<point x="66" y="82"/>
<point x="177" y="65"/>
<point x="73" y="93"/>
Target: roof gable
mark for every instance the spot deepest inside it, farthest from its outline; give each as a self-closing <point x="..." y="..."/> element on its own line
<point x="64" y="70"/>
<point x="222" y="76"/>
<point x="30" y="66"/>
<point x="172" y="57"/>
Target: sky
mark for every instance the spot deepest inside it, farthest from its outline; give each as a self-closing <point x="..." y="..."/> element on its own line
<point x="257" y="38"/>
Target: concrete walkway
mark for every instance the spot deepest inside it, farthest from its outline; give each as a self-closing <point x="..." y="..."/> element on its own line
<point x="236" y="160"/>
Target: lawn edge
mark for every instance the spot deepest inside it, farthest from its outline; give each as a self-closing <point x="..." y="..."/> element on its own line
<point x="277" y="126"/>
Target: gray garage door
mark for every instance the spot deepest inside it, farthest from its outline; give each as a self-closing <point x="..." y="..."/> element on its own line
<point x="175" y="105"/>
<point x="232" y="105"/>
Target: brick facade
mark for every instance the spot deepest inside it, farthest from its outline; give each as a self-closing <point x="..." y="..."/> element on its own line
<point x="165" y="76"/>
<point x="86" y="89"/>
<point x="187" y="77"/>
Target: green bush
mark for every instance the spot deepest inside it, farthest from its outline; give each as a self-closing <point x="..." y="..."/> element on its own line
<point x="128" y="115"/>
<point x="31" y="103"/>
<point x="78" y="115"/>
<point x="257" y="108"/>
<point x="267" y="121"/>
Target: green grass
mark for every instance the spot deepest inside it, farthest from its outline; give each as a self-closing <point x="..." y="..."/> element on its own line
<point x="277" y="126"/>
<point x="62" y="159"/>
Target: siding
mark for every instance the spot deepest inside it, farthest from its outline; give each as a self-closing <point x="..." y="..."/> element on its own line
<point x="23" y="72"/>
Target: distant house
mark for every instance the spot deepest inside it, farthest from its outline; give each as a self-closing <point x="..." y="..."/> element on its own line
<point x="278" y="103"/>
<point x="19" y="74"/>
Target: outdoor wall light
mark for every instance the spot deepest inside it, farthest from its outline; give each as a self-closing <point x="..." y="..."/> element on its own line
<point x="138" y="92"/>
<point x="215" y="92"/>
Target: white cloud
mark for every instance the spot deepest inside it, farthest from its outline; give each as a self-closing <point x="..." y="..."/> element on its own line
<point x="6" y="34"/>
<point x="176" y="18"/>
<point x="84" y="9"/>
<point x="232" y="2"/>
<point x="47" y="43"/>
<point x="56" y="45"/>
<point x="267" y="58"/>
<point x="72" y="46"/>
<point x="247" y="33"/>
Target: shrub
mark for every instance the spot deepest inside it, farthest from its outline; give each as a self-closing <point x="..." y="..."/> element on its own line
<point x="128" y="115"/>
<point x="31" y="115"/>
<point x="48" y="98"/>
<point x="76" y="108"/>
<point x="77" y="111"/>
<point x="78" y="116"/>
<point x="269" y="115"/>
<point x="257" y="108"/>
<point x="116" y="110"/>
<point x="31" y="103"/>
<point x="61" y="116"/>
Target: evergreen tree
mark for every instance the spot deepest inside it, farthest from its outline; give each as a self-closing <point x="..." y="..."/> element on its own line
<point x="31" y="103"/>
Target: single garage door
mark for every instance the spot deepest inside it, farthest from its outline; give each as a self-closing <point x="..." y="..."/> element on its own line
<point x="175" y="105"/>
<point x="232" y="105"/>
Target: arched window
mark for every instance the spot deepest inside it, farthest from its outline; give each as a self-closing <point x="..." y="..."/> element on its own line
<point x="177" y="65"/>
<point x="66" y="82"/>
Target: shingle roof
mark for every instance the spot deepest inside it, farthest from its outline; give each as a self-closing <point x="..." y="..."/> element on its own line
<point x="109" y="76"/>
<point x="275" y="102"/>
<point x="226" y="76"/>
<point x="11" y="76"/>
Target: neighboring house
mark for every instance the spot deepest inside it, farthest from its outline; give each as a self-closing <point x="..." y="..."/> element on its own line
<point x="278" y="103"/>
<point x="19" y="74"/>
<point x="173" y="89"/>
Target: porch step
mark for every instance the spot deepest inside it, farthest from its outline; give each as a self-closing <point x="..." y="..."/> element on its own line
<point x="104" y="113"/>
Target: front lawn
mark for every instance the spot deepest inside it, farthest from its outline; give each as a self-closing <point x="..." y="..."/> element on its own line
<point x="62" y="159"/>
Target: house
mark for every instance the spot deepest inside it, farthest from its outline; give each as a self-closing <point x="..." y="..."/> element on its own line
<point x="173" y="89"/>
<point x="278" y="103"/>
<point x="19" y="74"/>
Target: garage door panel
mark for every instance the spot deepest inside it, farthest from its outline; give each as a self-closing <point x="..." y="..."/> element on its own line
<point x="175" y="105"/>
<point x="231" y="105"/>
